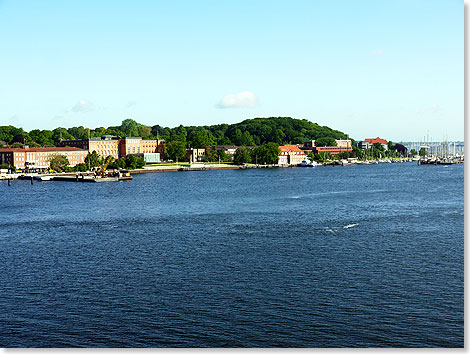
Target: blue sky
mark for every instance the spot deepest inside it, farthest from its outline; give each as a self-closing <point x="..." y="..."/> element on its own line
<point x="393" y="69"/>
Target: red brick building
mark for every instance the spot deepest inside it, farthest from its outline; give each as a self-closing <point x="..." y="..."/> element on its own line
<point x="39" y="158"/>
<point x="333" y="150"/>
<point x="341" y="146"/>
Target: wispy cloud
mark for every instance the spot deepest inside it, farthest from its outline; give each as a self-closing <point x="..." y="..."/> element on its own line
<point x="83" y="106"/>
<point x="130" y="104"/>
<point x="245" y="99"/>
<point x="377" y="52"/>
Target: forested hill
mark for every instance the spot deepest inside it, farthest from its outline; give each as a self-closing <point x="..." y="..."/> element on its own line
<point x="257" y="131"/>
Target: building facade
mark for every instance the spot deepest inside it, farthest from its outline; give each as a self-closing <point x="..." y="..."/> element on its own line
<point x="341" y="146"/>
<point x="372" y="141"/>
<point x="105" y="146"/>
<point x="364" y="145"/>
<point x="116" y="147"/>
<point x="333" y="150"/>
<point x="195" y="155"/>
<point x="290" y="155"/>
<point x="39" y="158"/>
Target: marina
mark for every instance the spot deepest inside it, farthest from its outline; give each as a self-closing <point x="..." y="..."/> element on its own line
<point x="116" y="176"/>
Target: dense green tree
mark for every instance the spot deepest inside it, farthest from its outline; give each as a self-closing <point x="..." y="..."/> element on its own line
<point x="19" y="138"/>
<point x="117" y="164"/>
<point x="413" y="152"/>
<point x="59" y="163"/>
<point x="180" y="130"/>
<point x="325" y="141"/>
<point x="359" y="153"/>
<point x="175" y="150"/>
<point x="379" y="147"/>
<point x="323" y="157"/>
<point x="200" y="138"/>
<point x="97" y="132"/>
<point x="212" y="155"/>
<point x="41" y="137"/>
<point x="401" y="149"/>
<point x="81" y="167"/>
<point x="257" y="131"/>
<point x="61" y="134"/>
<point x="241" y="156"/>
<point x="133" y="162"/>
<point x="116" y="131"/>
<point x="93" y="159"/>
<point x="161" y="132"/>
<point x="223" y="156"/>
<point x="423" y="152"/>
<point x="271" y="153"/>
<point x="8" y="132"/>
<point x="144" y="131"/>
<point x="266" y="154"/>
<point x="129" y="127"/>
<point x="79" y="133"/>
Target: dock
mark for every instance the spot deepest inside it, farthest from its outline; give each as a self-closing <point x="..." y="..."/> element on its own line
<point x="88" y="179"/>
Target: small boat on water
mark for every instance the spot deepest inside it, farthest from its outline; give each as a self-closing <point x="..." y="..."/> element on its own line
<point x="44" y="178"/>
<point x="308" y="163"/>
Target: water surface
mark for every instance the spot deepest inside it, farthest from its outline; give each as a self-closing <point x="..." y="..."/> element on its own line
<point x="354" y="256"/>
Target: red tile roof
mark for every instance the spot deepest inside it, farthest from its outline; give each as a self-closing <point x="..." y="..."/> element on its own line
<point x="290" y="148"/>
<point x="377" y="140"/>
<point x="51" y="149"/>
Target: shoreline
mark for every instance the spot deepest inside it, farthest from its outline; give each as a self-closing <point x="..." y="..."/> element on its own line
<point x="194" y="167"/>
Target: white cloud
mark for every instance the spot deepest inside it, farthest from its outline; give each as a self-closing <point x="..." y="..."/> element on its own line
<point x="131" y="103"/>
<point x="83" y="106"/>
<point x="238" y="100"/>
<point x="378" y="52"/>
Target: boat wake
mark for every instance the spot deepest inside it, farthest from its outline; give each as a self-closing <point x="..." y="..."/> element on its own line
<point x="349" y="226"/>
<point x="336" y="229"/>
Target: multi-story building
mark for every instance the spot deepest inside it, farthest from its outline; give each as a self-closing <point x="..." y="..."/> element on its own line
<point x="290" y="155"/>
<point x="109" y="145"/>
<point x="105" y="146"/>
<point x="333" y="150"/>
<point x="195" y="155"/>
<point x="230" y="149"/>
<point x="341" y="146"/>
<point x="39" y="158"/>
<point x="137" y="145"/>
<point x="364" y="145"/>
<point x="129" y="146"/>
<point x="372" y="141"/>
<point x="344" y="144"/>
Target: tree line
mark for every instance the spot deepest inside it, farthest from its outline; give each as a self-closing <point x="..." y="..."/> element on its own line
<point x="250" y="132"/>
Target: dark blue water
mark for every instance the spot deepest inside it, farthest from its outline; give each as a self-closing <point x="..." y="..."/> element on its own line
<point x="357" y="256"/>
